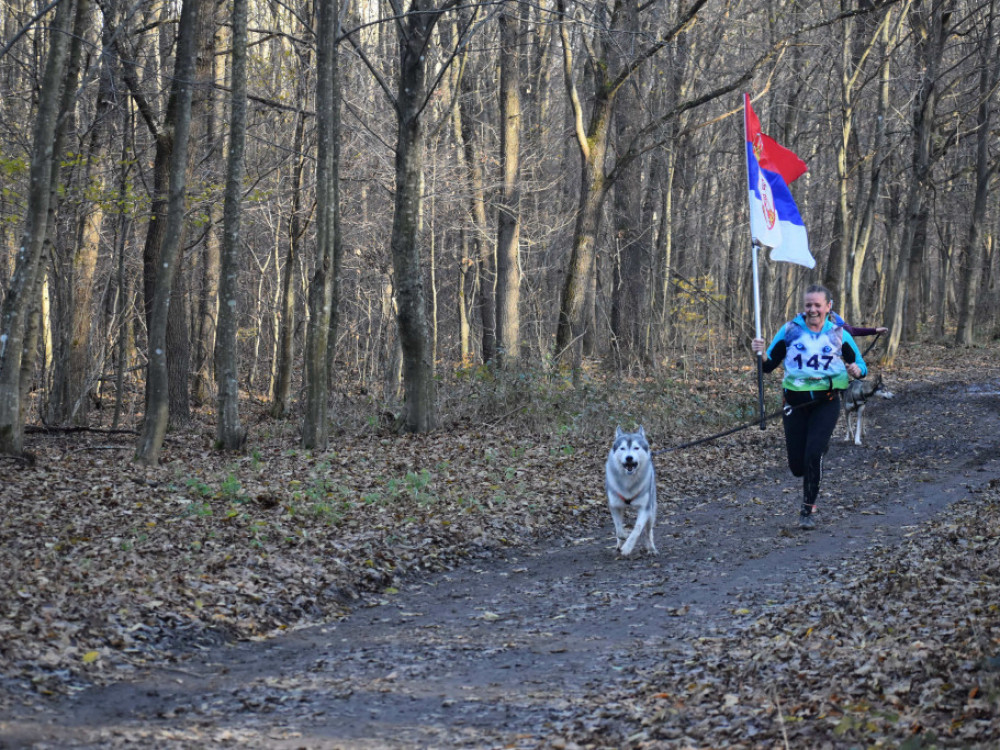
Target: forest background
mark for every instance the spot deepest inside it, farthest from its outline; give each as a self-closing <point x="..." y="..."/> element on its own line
<point x="260" y="226"/>
<point x="357" y="205"/>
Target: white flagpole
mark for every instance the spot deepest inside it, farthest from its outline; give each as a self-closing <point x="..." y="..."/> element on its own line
<point x="756" y="276"/>
<point x="760" y="355"/>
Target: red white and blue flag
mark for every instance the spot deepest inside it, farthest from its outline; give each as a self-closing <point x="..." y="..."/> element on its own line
<point x="775" y="221"/>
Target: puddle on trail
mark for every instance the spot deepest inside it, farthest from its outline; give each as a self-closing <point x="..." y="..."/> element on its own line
<point x="983" y="389"/>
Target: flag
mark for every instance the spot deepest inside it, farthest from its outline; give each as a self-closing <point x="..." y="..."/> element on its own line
<point x="775" y="221"/>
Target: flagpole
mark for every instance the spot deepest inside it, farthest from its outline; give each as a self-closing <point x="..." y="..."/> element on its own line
<point x="756" y="279"/>
<point x="760" y="355"/>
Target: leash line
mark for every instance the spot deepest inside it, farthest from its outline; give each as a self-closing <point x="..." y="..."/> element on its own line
<point x="747" y="425"/>
<point x="693" y="443"/>
<point x="870" y="346"/>
<point x="761" y="421"/>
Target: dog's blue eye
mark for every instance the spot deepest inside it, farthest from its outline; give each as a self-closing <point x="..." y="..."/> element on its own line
<point x="800" y="347"/>
<point x="827" y="349"/>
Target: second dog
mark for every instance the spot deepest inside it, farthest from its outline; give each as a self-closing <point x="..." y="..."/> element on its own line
<point x="853" y="400"/>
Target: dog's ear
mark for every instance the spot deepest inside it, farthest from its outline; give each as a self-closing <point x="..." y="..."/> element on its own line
<point x="642" y="432"/>
<point x="618" y="432"/>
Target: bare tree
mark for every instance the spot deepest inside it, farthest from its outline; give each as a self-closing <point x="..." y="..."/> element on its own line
<point x="888" y="35"/>
<point x="592" y="142"/>
<point x="282" y="368"/>
<point x="482" y="250"/>
<point x="154" y="427"/>
<point x="415" y="37"/>
<point x="930" y="26"/>
<point x="415" y="34"/>
<point x="989" y="79"/>
<point x="230" y="434"/>
<point x="20" y="303"/>
<point x="854" y="51"/>
<point x="508" y="296"/>
<point x="164" y="137"/>
<point x="323" y="297"/>
<point x="206" y="139"/>
<point x="77" y="257"/>
<point x="631" y="275"/>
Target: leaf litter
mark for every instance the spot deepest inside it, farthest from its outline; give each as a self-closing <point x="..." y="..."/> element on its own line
<point x="111" y="567"/>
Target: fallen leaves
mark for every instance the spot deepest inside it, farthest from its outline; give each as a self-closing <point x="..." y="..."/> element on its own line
<point x="112" y="566"/>
<point x="909" y="658"/>
<point x="109" y="567"/>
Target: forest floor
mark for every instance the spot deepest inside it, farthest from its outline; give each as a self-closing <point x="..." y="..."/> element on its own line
<point x="462" y="589"/>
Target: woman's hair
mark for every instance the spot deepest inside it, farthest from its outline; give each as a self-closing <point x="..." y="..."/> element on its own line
<point x="819" y="289"/>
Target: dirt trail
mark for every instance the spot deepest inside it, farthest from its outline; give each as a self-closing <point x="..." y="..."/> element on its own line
<point x="504" y="651"/>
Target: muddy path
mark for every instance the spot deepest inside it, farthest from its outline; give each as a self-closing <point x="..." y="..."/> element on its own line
<point x="512" y="646"/>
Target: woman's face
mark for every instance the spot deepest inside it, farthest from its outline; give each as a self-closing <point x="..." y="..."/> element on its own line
<point x="817" y="307"/>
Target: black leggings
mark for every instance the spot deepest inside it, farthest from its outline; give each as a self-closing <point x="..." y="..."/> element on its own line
<point x="807" y="436"/>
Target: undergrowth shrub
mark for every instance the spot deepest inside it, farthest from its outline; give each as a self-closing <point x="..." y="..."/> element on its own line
<point x="707" y="394"/>
<point x="532" y="401"/>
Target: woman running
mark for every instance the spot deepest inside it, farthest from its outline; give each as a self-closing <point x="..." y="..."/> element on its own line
<point x="818" y="355"/>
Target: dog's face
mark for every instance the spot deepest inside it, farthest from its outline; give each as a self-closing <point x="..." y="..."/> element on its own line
<point x="630" y="451"/>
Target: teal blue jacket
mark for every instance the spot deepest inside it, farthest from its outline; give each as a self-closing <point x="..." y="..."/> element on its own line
<point x="813" y="361"/>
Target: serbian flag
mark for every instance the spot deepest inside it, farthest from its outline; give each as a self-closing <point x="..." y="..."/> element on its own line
<point x="775" y="221"/>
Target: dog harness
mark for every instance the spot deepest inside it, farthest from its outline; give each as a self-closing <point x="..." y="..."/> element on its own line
<point x="628" y="500"/>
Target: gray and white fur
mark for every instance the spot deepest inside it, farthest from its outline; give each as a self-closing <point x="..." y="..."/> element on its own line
<point x="630" y="482"/>
<point x="853" y="400"/>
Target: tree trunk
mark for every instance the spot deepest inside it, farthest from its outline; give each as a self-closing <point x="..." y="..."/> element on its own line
<point x="120" y="315"/>
<point x="179" y="349"/>
<point x="930" y="33"/>
<point x="178" y="335"/>
<point x="664" y="250"/>
<point x="286" y="326"/>
<point x="866" y="220"/>
<point x="205" y="139"/>
<point x="415" y="32"/>
<point x="836" y="267"/>
<point x="592" y="143"/>
<point x="76" y="256"/>
<point x="323" y="285"/>
<point x="989" y="75"/>
<point x="631" y="277"/>
<point x="461" y="300"/>
<point x="154" y="426"/>
<point x="482" y="251"/>
<point x="19" y="303"/>
<point x="229" y="432"/>
<point x="508" y="297"/>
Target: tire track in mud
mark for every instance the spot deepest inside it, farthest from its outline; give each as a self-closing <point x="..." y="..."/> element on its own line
<point x="503" y="651"/>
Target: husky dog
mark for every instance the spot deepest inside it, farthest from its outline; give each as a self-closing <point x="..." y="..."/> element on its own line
<point x="853" y="400"/>
<point x="630" y="481"/>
